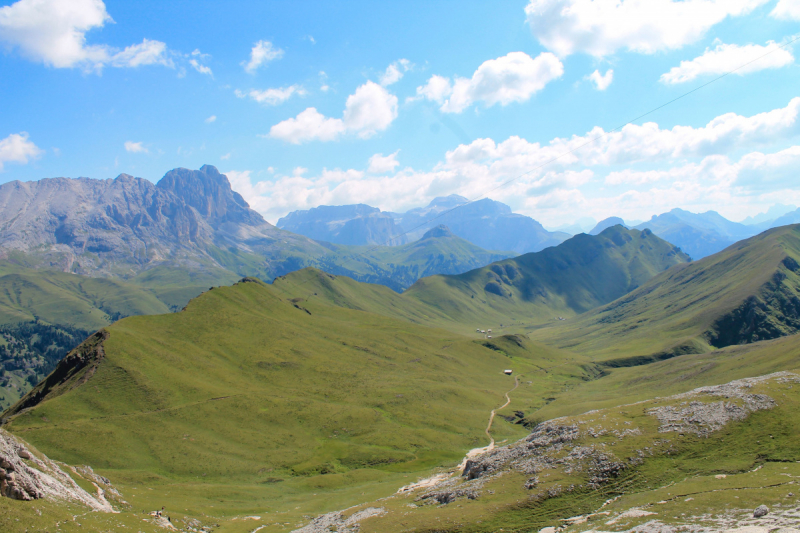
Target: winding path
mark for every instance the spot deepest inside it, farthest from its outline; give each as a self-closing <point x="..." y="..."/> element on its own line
<point x="478" y="451"/>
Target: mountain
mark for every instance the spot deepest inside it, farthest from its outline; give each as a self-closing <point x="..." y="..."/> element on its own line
<point x="583" y="272"/>
<point x="774" y="212"/>
<point x="486" y="223"/>
<point x="281" y="398"/>
<point x="746" y="293"/>
<point x="439" y="251"/>
<point x="44" y="314"/>
<point x="357" y="224"/>
<point x="607" y="223"/>
<point x="534" y="289"/>
<point x="185" y="233"/>
<point x="699" y="235"/>
<point x="792" y="217"/>
<point x="262" y="406"/>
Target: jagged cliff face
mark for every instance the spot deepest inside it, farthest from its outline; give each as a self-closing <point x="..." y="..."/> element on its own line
<point x="123" y="225"/>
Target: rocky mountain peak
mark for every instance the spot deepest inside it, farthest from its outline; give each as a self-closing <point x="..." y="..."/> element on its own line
<point x="439" y="231"/>
<point x="210" y="193"/>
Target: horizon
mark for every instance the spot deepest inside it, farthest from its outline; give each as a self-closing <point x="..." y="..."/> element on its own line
<point x="332" y="105"/>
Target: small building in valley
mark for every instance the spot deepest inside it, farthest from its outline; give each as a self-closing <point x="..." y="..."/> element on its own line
<point x="508" y="372"/>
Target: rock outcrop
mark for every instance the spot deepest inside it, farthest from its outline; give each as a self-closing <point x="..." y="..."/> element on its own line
<point x="25" y="475"/>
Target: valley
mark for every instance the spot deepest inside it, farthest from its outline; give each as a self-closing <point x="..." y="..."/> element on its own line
<point x="317" y="393"/>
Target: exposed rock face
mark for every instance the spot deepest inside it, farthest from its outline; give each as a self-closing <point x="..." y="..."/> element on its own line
<point x="337" y="522"/>
<point x="356" y="224"/>
<point x="702" y="418"/>
<point x="26" y="476"/>
<point x="210" y="194"/>
<point x="120" y="227"/>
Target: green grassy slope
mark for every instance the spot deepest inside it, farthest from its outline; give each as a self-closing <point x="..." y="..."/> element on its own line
<point x="579" y="274"/>
<point x="61" y="298"/>
<point x="597" y="465"/>
<point x="268" y="400"/>
<point x="535" y="288"/>
<point x="748" y="292"/>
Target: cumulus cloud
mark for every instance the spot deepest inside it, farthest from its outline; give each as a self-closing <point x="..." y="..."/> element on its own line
<point x="273" y="96"/>
<point x="633" y="173"/>
<point x="601" y="81"/>
<point x="262" y="53"/>
<point x="395" y="72"/>
<point x="201" y="68"/>
<point x="17" y="148"/>
<point x="602" y="27"/>
<point x="514" y="77"/>
<point x="309" y="125"/>
<point x="787" y="9"/>
<point x="147" y="53"/>
<point x="635" y="143"/>
<point x="381" y="164"/>
<point x="53" y="32"/>
<point x="367" y="111"/>
<point x="135" y="147"/>
<point x="727" y="57"/>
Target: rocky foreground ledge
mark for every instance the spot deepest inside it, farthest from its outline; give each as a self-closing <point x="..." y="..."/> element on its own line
<point x="28" y="475"/>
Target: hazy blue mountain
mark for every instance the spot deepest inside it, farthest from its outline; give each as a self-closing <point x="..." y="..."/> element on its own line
<point x="792" y="217"/>
<point x="356" y="224"/>
<point x="698" y="234"/>
<point x="773" y="213"/>
<point x="486" y="223"/>
<point x="582" y="225"/>
<point x="607" y="223"/>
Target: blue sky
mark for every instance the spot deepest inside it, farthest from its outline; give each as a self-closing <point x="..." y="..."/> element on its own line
<point x="394" y="103"/>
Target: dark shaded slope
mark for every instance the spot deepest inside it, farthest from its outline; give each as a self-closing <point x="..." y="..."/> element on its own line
<point x="583" y="272"/>
<point x="745" y="293"/>
<point x="580" y="274"/>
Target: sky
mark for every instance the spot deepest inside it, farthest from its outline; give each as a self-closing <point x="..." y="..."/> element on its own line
<point x="536" y="103"/>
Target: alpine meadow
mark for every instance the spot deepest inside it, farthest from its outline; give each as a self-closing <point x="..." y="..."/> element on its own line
<point x="450" y="267"/>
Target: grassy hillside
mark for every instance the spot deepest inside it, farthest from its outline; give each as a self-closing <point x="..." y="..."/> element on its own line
<point x="746" y="293"/>
<point x="280" y="399"/>
<point x="579" y="274"/>
<point x="61" y="298"/>
<point x="536" y="288"/>
<point x="618" y="468"/>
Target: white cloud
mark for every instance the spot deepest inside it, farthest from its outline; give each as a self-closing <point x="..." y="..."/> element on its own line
<point x="225" y="157"/>
<point x="382" y="164"/>
<point x="212" y="118"/>
<point x="147" y="53"/>
<point x="633" y="173"/>
<point x="787" y="9"/>
<point x="514" y="77"/>
<point x="309" y="125"/>
<point x="17" y="148"/>
<point x="634" y="143"/>
<point x="199" y="67"/>
<point x="262" y="53"/>
<point x="53" y="32"/>
<point x="602" y="27"/>
<point x="135" y="148"/>
<point x="395" y="72"/>
<point x="273" y="96"/>
<point x="367" y="111"/>
<point x="727" y="57"/>
<point x="601" y="81"/>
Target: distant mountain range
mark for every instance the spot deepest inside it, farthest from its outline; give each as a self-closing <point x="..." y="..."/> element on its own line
<point x="704" y="234"/>
<point x="485" y="223"/>
<point x="192" y="229"/>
